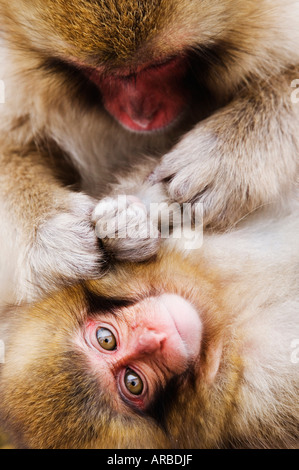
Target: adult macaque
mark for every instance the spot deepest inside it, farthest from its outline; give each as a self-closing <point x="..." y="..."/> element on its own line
<point x="90" y="86"/>
<point x="191" y="350"/>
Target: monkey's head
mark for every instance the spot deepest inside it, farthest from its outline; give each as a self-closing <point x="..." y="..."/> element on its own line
<point x="172" y="353"/>
<point x="150" y="60"/>
<point x="132" y="360"/>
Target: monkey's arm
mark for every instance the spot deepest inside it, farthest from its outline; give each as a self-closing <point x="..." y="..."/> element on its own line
<point x="46" y="231"/>
<point x="242" y="157"/>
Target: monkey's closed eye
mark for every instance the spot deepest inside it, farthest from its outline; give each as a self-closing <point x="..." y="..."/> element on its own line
<point x="106" y="339"/>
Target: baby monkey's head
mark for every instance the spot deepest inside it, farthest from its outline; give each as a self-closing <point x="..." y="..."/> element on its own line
<point x="163" y="354"/>
<point x="127" y="361"/>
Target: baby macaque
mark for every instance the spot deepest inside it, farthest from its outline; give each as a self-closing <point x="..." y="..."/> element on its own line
<point x="203" y="87"/>
<point x="193" y="349"/>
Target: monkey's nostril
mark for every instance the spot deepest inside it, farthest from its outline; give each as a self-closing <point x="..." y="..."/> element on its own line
<point x="150" y="341"/>
<point x="142" y="111"/>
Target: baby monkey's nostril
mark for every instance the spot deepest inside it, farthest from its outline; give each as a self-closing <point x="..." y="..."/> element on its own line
<point x="150" y="341"/>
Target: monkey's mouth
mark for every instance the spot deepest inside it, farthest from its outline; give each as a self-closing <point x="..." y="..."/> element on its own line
<point x="147" y="100"/>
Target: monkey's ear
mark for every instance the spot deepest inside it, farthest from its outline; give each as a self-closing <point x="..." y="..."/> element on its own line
<point x="213" y="361"/>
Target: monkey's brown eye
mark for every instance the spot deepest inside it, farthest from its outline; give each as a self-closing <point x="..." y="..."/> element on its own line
<point x="133" y="382"/>
<point x="106" y="339"/>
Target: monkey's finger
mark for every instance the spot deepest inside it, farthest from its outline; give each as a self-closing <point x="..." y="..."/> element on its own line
<point x="170" y="165"/>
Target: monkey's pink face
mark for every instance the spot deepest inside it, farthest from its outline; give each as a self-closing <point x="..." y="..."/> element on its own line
<point x="146" y="99"/>
<point x="135" y="353"/>
<point x="137" y="53"/>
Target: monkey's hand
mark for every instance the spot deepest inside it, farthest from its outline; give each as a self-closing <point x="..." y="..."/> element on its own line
<point x="236" y="161"/>
<point x="52" y="239"/>
<point x="124" y="227"/>
<point x="65" y="247"/>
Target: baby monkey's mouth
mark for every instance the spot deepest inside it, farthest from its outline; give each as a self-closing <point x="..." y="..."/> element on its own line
<point x="147" y="98"/>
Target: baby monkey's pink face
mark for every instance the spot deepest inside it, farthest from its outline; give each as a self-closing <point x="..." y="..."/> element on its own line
<point x="135" y="352"/>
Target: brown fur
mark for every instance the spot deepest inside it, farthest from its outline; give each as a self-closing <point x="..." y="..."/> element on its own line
<point x="241" y="152"/>
<point x="243" y="286"/>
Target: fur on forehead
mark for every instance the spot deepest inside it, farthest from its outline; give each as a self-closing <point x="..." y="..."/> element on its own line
<point x="127" y="32"/>
<point x="113" y="30"/>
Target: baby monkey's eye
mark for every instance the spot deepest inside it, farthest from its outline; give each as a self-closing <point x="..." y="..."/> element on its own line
<point x="133" y="382"/>
<point x="106" y="339"/>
